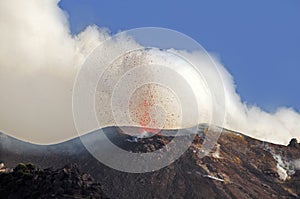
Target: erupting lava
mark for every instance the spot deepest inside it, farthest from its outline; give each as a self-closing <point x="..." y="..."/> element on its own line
<point x="153" y="108"/>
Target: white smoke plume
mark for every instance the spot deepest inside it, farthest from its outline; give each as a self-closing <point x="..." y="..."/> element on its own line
<point x="39" y="59"/>
<point x="286" y="168"/>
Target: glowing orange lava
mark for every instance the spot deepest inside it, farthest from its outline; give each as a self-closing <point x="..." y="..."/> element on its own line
<point x="144" y="105"/>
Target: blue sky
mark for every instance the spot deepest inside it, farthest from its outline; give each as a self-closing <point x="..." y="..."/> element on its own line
<point x="257" y="41"/>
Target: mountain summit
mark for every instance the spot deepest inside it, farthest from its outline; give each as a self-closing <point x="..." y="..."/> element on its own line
<point x="238" y="166"/>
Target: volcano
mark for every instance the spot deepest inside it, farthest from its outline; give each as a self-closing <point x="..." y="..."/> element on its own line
<point x="238" y="166"/>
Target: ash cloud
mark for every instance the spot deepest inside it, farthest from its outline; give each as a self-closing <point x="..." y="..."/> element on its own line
<point x="39" y="59"/>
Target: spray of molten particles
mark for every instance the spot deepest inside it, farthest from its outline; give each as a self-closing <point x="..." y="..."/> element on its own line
<point x="154" y="107"/>
<point x="136" y="90"/>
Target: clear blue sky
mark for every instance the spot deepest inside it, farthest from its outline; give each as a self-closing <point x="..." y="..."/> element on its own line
<point x="258" y="41"/>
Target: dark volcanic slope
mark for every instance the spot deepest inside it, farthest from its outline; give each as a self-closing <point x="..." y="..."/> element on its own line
<point x="238" y="167"/>
<point x="26" y="181"/>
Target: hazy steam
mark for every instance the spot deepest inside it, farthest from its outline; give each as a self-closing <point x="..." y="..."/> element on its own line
<point x="39" y="59"/>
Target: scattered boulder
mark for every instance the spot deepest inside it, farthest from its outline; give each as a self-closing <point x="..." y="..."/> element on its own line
<point x="26" y="181"/>
<point x="294" y="143"/>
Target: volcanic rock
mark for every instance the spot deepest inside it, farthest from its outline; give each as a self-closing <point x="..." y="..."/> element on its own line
<point x="237" y="167"/>
<point x="28" y="182"/>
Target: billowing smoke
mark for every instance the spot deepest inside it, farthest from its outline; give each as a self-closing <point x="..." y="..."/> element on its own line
<point x="39" y="59"/>
<point x="38" y="62"/>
